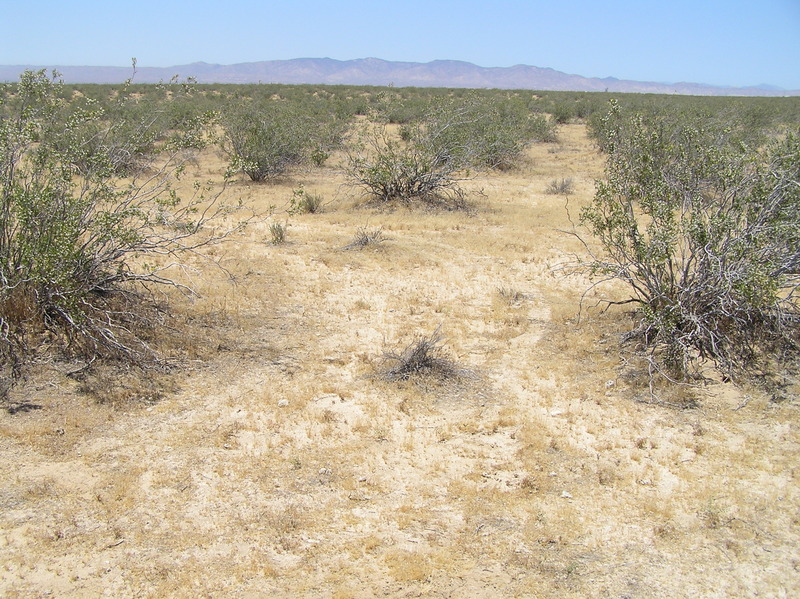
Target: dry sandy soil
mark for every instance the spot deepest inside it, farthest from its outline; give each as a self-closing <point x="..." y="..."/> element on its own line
<point x="273" y="462"/>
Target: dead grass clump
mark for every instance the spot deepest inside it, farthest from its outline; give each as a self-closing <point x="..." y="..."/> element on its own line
<point x="407" y="566"/>
<point x="423" y="358"/>
<point x="511" y="296"/>
<point x="563" y="187"/>
<point x="365" y="238"/>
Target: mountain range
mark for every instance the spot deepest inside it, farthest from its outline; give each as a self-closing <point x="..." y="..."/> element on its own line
<point x="374" y="71"/>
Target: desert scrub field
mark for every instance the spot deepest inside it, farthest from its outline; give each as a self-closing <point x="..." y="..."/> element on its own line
<point x="393" y="399"/>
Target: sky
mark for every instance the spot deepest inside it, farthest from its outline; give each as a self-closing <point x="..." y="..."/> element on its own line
<point x="716" y="42"/>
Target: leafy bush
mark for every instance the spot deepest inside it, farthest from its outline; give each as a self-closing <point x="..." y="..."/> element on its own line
<point x="482" y="133"/>
<point x="265" y="137"/>
<point x="428" y="159"/>
<point x="264" y="141"/>
<point x="750" y="121"/>
<point x="125" y="136"/>
<point x="72" y="222"/>
<point x="706" y="235"/>
<point x="392" y="170"/>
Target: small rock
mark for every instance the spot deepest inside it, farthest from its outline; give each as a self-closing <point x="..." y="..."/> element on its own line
<point x="566" y="495"/>
<point x="283" y="403"/>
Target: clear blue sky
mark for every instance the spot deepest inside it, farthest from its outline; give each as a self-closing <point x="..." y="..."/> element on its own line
<point x="720" y="42"/>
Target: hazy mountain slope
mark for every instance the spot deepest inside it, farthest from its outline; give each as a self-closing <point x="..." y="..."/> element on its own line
<point x="374" y="71"/>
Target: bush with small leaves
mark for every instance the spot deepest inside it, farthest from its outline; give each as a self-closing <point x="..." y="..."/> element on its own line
<point x="430" y="158"/>
<point x="74" y="224"/>
<point x="265" y="140"/>
<point x="483" y="134"/>
<point x="706" y="235"/>
<point x="391" y="170"/>
<point x="265" y="137"/>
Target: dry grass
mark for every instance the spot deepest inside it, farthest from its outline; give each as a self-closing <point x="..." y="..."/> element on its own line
<point x="272" y="463"/>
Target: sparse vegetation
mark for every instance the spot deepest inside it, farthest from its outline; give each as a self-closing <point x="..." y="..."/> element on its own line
<point x="510" y="295"/>
<point x="309" y="465"/>
<point x="391" y="170"/>
<point x="305" y="202"/>
<point x="430" y="158"/>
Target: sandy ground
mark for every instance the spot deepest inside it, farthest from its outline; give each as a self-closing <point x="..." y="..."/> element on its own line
<point x="277" y="464"/>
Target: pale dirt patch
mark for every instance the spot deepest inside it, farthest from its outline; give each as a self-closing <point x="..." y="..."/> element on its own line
<point x="280" y="465"/>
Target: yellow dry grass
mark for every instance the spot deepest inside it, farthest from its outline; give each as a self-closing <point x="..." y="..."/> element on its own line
<point x="276" y="464"/>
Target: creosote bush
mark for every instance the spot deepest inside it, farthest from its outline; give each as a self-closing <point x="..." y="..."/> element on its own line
<point x="705" y="233"/>
<point x="428" y="160"/>
<point x="264" y="139"/>
<point x="481" y="134"/>
<point x="391" y="170"/>
<point x="76" y="227"/>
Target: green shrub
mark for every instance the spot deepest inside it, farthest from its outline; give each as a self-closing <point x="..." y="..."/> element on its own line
<point x="71" y="222"/>
<point x="264" y="141"/>
<point x="481" y="134"/>
<point x="564" y="112"/>
<point x="705" y="233"/>
<point x="304" y="202"/>
<point x="429" y="159"/>
<point x="391" y="170"/>
<point x="266" y="137"/>
<point x="277" y="232"/>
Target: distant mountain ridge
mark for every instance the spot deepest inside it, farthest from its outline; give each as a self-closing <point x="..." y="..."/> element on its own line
<point x="374" y="71"/>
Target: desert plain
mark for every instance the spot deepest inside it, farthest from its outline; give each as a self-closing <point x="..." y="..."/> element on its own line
<point x="277" y="460"/>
